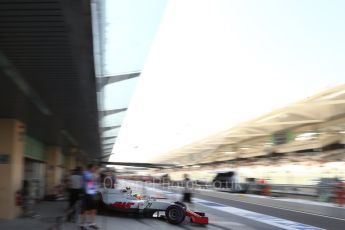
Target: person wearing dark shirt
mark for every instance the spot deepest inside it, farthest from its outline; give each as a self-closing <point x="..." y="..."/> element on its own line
<point x="187" y="193"/>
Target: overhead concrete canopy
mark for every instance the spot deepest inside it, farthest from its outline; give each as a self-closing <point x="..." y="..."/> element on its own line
<point x="47" y="70"/>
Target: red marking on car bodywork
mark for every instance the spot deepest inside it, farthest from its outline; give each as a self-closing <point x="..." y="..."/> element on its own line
<point x="197" y="218"/>
<point x="122" y="205"/>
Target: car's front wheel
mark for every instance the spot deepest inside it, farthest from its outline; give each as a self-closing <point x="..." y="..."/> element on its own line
<point x="175" y="214"/>
<point x="183" y="205"/>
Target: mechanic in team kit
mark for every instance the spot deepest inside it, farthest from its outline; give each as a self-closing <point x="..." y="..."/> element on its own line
<point x="75" y="190"/>
<point x="90" y="201"/>
<point x="187" y="193"/>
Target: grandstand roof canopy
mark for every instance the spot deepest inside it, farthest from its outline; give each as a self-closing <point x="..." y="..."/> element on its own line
<point x="235" y="142"/>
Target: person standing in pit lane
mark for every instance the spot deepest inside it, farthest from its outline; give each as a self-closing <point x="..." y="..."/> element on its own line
<point x="75" y="190"/>
<point x="187" y="193"/>
<point x="90" y="201"/>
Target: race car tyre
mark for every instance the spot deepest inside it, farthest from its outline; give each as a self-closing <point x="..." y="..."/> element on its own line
<point x="175" y="214"/>
<point x="181" y="204"/>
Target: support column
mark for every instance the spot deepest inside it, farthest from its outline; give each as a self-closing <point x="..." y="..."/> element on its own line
<point x="54" y="174"/>
<point x="71" y="160"/>
<point x="82" y="159"/>
<point x="11" y="166"/>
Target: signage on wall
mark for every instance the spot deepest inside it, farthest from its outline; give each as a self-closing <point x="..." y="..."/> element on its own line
<point x="4" y="158"/>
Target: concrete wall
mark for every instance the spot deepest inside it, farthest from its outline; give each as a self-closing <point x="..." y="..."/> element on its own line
<point x="11" y="172"/>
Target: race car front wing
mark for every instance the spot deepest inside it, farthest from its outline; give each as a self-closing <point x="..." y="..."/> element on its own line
<point x="197" y="217"/>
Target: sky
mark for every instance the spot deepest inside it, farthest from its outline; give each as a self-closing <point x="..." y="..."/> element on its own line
<point x="214" y="63"/>
<point x="130" y="29"/>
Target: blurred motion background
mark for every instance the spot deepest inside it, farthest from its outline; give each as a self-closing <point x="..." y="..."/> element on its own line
<point x="243" y="96"/>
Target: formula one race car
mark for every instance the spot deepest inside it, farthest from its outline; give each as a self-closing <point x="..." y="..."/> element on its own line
<point x="122" y="200"/>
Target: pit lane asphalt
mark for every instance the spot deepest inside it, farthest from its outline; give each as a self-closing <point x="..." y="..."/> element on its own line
<point x="225" y="220"/>
<point x="309" y="219"/>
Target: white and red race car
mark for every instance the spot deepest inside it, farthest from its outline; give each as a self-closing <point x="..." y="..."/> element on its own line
<point x="122" y="200"/>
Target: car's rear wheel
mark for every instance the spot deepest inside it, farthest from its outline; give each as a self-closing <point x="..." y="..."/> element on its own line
<point x="175" y="214"/>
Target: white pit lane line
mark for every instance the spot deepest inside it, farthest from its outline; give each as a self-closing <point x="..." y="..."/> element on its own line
<point x="266" y="219"/>
<point x="270" y="220"/>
